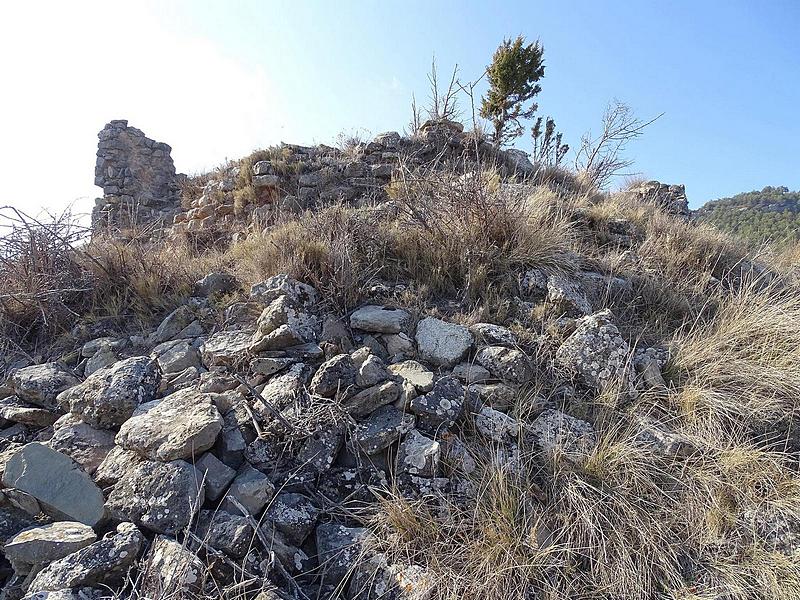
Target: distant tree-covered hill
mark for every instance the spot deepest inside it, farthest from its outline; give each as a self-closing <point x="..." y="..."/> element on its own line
<point x="772" y="214"/>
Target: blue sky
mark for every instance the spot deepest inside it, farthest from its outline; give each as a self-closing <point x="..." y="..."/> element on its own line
<point x="218" y="79"/>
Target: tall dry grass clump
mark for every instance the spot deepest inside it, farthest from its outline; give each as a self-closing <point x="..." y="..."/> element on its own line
<point x="463" y="234"/>
<point x="741" y="367"/>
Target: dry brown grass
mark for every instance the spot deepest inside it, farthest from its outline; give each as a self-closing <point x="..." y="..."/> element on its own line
<point x="741" y="367"/>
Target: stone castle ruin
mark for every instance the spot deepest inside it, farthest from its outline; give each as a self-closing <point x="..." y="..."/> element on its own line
<point x="138" y="178"/>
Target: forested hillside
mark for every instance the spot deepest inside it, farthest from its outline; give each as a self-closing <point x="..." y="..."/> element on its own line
<point x="772" y="214"/>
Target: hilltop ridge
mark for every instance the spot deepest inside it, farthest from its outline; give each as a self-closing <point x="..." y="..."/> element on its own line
<point x="411" y="368"/>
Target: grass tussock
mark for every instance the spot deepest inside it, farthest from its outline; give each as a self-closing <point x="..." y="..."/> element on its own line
<point x="741" y="367"/>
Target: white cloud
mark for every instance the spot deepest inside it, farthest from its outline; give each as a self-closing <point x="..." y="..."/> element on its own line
<point x="68" y="68"/>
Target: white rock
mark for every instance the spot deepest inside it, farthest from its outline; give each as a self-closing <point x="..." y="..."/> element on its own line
<point x="442" y="343"/>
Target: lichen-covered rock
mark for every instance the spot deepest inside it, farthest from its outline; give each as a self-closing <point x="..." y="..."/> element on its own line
<point x="86" y="445"/>
<point x="294" y="515"/>
<point x="43" y="544"/>
<point x="226" y="348"/>
<point x="338" y="547"/>
<point x="103" y="563"/>
<point x="567" y="296"/>
<point x="597" y="354"/>
<point x="442" y="343"/>
<point x="180" y="426"/>
<point x="56" y="481"/>
<point x="381" y="429"/>
<point x="283" y="324"/>
<point x="335" y="376"/>
<point x="251" y="489"/>
<point x="280" y="285"/>
<point x="379" y="319"/>
<point x="41" y="384"/>
<point x="504" y="363"/>
<point x="419" y="455"/>
<point x="555" y="431"/>
<point x="107" y="398"/>
<point x="173" y="570"/>
<point x="439" y="409"/>
<point x="231" y="534"/>
<point x="158" y="496"/>
<point x="415" y="373"/>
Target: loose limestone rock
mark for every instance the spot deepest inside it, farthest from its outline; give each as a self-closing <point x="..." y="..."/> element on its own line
<point x="41" y="384"/>
<point x="379" y="319"/>
<point x="556" y="431"/>
<point x="105" y="562"/>
<point x="56" y="481"/>
<point x="225" y="348"/>
<point x="157" y="496"/>
<point x="415" y="373"/>
<point x="441" y="407"/>
<point x="504" y="363"/>
<point x="180" y="426"/>
<point x="442" y="343"/>
<point x="597" y="353"/>
<point x="337" y="375"/>
<point x="294" y="515"/>
<point x="83" y="443"/>
<point x="44" y="544"/>
<point x="251" y="489"/>
<point x="419" y="455"/>
<point x="107" y="398"/>
<point x="382" y="428"/>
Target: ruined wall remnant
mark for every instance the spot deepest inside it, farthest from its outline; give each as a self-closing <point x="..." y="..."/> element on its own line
<point x="137" y="176"/>
<point x="671" y="198"/>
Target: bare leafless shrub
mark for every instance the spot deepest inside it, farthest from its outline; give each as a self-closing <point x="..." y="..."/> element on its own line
<point x="443" y="102"/>
<point x="599" y="159"/>
<point x="42" y="282"/>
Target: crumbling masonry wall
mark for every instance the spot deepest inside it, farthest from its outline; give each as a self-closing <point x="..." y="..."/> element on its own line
<point x="138" y="179"/>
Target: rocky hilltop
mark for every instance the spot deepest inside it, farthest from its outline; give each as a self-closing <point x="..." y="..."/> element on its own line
<point x="414" y="368"/>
